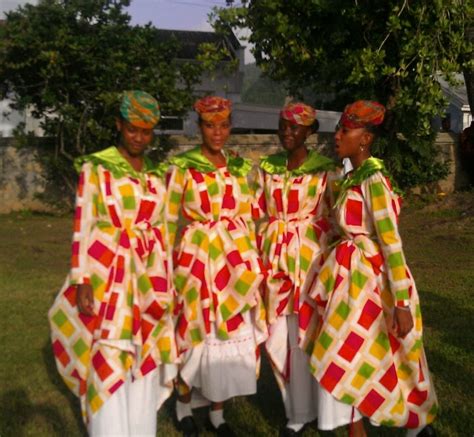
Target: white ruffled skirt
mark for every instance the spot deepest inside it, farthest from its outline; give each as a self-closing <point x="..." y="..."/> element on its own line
<point x="223" y="369"/>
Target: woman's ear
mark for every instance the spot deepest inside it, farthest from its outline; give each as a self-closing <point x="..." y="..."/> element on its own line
<point x="118" y="124"/>
<point x="367" y="139"/>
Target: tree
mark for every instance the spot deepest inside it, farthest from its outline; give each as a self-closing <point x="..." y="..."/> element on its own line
<point x="469" y="71"/>
<point x="342" y="50"/>
<point x="68" y="60"/>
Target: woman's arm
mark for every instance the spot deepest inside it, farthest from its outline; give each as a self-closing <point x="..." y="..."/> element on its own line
<point x="386" y="225"/>
<point x="84" y="219"/>
<point x="333" y="179"/>
<point x="175" y="184"/>
<point x="259" y="204"/>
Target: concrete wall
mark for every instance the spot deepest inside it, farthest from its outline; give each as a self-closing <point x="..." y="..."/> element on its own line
<point x="23" y="182"/>
<point x="10" y="119"/>
<point x="22" y="178"/>
<point x="448" y="144"/>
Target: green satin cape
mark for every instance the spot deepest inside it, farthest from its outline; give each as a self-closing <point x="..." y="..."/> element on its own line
<point x="112" y="160"/>
<point x="314" y="163"/>
<point x="194" y="158"/>
<point x="369" y="167"/>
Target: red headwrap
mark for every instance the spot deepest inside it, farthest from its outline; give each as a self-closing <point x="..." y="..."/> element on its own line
<point x="362" y="113"/>
<point x="299" y="113"/>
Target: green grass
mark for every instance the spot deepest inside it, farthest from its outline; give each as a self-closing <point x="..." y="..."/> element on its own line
<point x="34" y="258"/>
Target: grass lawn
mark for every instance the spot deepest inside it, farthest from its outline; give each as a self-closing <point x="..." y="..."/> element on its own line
<point x="34" y="258"/>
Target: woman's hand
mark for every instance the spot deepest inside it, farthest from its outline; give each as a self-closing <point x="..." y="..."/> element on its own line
<point x="402" y="322"/>
<point x="85" y="299"/>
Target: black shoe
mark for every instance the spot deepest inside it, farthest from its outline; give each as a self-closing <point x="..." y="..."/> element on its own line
<point x="188" y="427"/>
<point x="223" y="430"/>
<point x="289" y="432"/>
<point x="427" y="431"/>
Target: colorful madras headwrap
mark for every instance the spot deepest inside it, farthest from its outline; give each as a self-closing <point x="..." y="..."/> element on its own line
<point x="299" y="113"/>
<point x="362" y="113"/>
<point x="140" y="109"/>
<point x="213" y="108"/>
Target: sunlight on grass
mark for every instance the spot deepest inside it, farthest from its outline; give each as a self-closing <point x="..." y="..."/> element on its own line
<point x="34" y="258"/>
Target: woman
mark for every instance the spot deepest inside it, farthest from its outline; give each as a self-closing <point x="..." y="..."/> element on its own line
<point x="111" y="324"/>
<point x="368" y="356"/>
<point x="217" y="273"/>
<point x="291" y="197"/>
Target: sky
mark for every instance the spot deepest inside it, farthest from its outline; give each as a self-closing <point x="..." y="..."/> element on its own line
<point x="165" y="14"/>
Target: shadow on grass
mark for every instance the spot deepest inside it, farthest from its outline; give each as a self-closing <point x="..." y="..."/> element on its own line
<point x="464" y="420"/>
<point x="268" y="397"/>
<point x="17" y="410"/>
<point x="57" y="382"/>
<point x="452" y="322"/>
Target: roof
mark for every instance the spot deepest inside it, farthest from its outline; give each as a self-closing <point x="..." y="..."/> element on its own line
<point x="191" y="39"/>
<point x="457" y="94"/>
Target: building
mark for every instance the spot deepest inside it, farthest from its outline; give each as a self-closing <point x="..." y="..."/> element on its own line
<point x="226" y="82"/>
<point x="458" y="112"/>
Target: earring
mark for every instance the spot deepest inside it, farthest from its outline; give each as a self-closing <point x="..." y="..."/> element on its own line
<point x="361" y="148"/>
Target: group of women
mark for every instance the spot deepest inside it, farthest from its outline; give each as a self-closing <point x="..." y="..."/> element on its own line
<point x="322" y="281"/>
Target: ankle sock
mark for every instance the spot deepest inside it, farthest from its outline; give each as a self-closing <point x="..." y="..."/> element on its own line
<point x="182" y="410"/>
<point x="294" y="426"/>
<point x="414" y="432"/>
<point x="216" y="417"/>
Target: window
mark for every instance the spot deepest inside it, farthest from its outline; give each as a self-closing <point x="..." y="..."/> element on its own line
<point x="171" y="123"/>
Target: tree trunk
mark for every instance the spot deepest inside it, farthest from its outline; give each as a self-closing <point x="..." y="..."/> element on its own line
<point x="469" y="73"/>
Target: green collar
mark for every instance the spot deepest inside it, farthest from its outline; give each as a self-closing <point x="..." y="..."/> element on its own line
<point x="369" y="167"/>
<point x="112" y="160"/>
<point x="314" y="163"/>
<point x="194" y="158"/>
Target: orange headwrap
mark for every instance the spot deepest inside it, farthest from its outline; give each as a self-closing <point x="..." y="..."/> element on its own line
<point x="362" y="113"/>
<point x="299" y="113"/>
<point x="213" y="108"/>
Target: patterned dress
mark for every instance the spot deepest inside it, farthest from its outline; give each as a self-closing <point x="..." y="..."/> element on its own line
<point x="355" y="357"/>
<point x="293" y="241"/>
<point x="217" y="270"/>
<point x="118" y="248"/>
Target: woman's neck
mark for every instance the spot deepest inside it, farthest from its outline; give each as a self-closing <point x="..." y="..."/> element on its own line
<point x="135" y="161"/>
<point x="215" y="156"/>
<point x="296" y="157"/>
<point x="359" y="159"/>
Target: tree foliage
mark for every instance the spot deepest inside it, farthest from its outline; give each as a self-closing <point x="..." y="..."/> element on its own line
<point x="343" y="50"/>
<point x="68" y="60"/>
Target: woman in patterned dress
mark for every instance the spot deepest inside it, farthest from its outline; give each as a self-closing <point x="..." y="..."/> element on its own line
<point x="111" y="324"/>
<point x="291" y="198"/>
<point x="368" y="357"/>
<point x="217" y="272"/>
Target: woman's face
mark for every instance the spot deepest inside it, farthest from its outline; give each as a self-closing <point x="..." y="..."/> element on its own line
<point x="134" y="140"/>
<point x="292" y="135"/>
<point x="215" y="134"/>
<point x="348" y="142"/>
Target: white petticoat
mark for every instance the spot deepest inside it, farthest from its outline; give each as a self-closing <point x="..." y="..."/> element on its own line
<point x="300" y="392"/>
<point x="131" y="410"/>
<point x="303" y="396"/>
<point x="223" y="369"/>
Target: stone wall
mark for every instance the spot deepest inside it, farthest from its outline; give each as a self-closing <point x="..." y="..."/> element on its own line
<point x="252" y="146"/>
<point x="23" y="182"/>
<point x="457" y="178"/>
